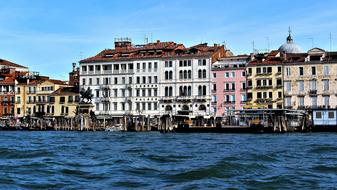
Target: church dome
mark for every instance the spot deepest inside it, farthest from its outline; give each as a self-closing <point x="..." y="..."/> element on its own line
<point x="290" y="46"/>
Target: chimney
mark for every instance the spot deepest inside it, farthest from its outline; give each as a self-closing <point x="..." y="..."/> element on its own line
<point x="123" y="44"/>
<point x="158" y="41"/>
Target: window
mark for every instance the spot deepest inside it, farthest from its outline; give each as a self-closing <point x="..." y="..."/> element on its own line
<point x="144" y="80"/>
<point x="301" y="72"/>
<point x="300" y="101"/>
<point x="331" y="115"/>
<point x="318" y="115"/>
<point x="288" y="101"/>
<point x="83" y="81"/>
<point x="226" y="75"/>
<point x="314" y="101"/>
<point x="243" y="74"/>
<point x="288" y="85"/>
<point x="258" y="70"/>
<point x="123" y="80"/>
<point x="326" y="101"/>
<point x="233" y="74"/>
<point x="155" y="79"/>
<point x="97" y="81"/>
<point x="138" y="80"/>
<point x="313" y="70"/>
<point x="288" y="71"/>
<point x="325" y="85"/>
<point x="326" y="70"/>
<point x="144" y="66"/>
<point x="115" y="80"/>
<point x="313" y="85"/>
<point x="279" y="69"/>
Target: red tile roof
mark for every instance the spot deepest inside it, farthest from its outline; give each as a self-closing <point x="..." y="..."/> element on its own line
<point x="152" y="50"/>
<point x="10" y="64"/>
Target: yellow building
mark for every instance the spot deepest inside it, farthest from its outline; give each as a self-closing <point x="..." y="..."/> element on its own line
<point x="265" y="81"/>
<point x="33" y="95"/>
<point x="63" y="102"/>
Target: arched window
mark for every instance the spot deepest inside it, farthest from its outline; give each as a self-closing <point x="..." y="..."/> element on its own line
<point x="185" y="74"/>
<point x="166" y="91"/>
<point x="204" y="90"/>
<point x="170" y="91"/>
<point x="185" y="108"/>
<point x="185" y="91"/>
<point x="199" y="74"/>
<point x="204" y="73"/>
<point x="189" y="74"/>
<point x="202" y="107"/>
<point x="180" y="91"/>
<point x="199" y="91"/>
<point x="166" y="75"/>
<point x="180" y="74"/>
<point x="168" y="108"/>
<point x="170" y="75"/>
<point x="189" y="93"/>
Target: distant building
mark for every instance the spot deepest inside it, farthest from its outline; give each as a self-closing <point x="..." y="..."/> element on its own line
<point x="310" y="80"/>
<point x="229" y="84"/>
<point x="33" y="95"/>
<point x="150" y="79"/>
<point x="74" y="76"/>
<point x="265" y="81"/>
<point x="64" y="101"/>
<point x="8" y="72"/>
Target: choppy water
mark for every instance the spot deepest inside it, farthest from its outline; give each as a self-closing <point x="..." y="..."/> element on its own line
<point x="87" y="160"/>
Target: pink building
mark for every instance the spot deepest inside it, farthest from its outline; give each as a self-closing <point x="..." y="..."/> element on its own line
<point x="229" y="84"/>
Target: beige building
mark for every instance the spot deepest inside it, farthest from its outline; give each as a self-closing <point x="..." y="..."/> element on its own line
<point x="310" y="80"/>
<point x="265" y="81"/>
<point x="64" y="102"/>
<point x="33" y="95"/>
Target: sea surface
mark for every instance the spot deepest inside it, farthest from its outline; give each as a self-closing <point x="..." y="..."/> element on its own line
<point x="116" y="160"/>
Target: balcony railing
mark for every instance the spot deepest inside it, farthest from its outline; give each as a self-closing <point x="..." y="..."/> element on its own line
<point x="312" y="92"/>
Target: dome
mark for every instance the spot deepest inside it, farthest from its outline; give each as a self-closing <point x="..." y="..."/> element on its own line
<point x="290" y="46"/>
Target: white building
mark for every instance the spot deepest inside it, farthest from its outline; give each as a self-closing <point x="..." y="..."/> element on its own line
<point x="152" y="79"/>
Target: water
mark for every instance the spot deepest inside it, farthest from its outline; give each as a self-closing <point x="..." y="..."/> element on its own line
<point x="99" y="160"/>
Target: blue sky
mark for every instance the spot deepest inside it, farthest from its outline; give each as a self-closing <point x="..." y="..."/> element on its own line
<point x="47" y="36"/>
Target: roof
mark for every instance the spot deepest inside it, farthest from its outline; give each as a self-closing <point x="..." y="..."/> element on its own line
<point x="66" y="91"/>
<point x="155" y="50"/>
<point x="11" y="64"/>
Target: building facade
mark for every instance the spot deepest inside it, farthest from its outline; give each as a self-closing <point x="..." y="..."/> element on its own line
<point x="229" y="84"/>
<point x="150" y="79"/>
<point x="265" y="81"/>
<point x="310" y="80"/>
<point x="33" y="94"/>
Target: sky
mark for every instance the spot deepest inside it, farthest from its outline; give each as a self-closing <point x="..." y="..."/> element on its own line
<point x="48" y="36"/>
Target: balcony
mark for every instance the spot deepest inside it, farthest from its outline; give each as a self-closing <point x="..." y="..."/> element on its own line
<point x="167" y="98"/>
<point x="264" y="87"/>
<point x="312" y="92"/>
<point x="263" y="74"/>
<point x="105" y="99"/>
<point x="107" y="71"/>
<point x="105" y="87"/>
<point x="263" y="100"/>
<point x="185" y="98"/>
<point x="279" y="86"/>
<point x="202" y="98"/>
<point x="229" y="102"/>
<point x="278" y="73"/>
<point x="31" y="92"/>
<point x="229" y="90"/>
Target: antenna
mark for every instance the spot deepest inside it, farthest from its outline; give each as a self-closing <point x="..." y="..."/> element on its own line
<point x="253" y="44"/>
<point x="330" y="37"/>
<point x="268" y="43"/>
<point x="225" y="45"/>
